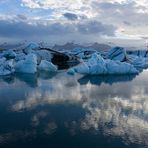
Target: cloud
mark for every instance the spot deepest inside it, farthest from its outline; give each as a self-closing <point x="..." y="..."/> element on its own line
<point x="70" y="16"/>
<point x="24" y="30"/>
<point x="82" y="17"/>
<point x="22" y="17"/>
<point x="96" y="27"/>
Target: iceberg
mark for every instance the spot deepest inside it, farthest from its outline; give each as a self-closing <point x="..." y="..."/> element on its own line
<point x="9" y="54"/>
<point x="117" y="54"/>
<point x="29" y="65"/>
<point x="138" y="62"/>
<point x="30" y="58"/>
<point x="120" y="68"/>
<point x="43" y="55"/>
<point x="83" y="53"/>
<point x="20" y="56"/>
<point x="96" y="65"/>
<point x="30" y="47"/>
<point x="6" y="67"/>
<point x="47" y="66"/>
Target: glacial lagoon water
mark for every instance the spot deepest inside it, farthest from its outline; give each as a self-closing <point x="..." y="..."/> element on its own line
<point x="59" y="110"/>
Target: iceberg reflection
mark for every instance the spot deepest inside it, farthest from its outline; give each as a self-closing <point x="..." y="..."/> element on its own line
<point x="116" y="109"/>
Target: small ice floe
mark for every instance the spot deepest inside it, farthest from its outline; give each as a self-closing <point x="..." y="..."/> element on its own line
<point x="29" y="65"/>
<point x="6" y="66"/>
<point x="47" y="66"/>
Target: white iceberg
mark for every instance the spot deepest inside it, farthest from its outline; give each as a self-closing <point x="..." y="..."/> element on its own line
<point x="47" y="66"/>
<point x="29" y="65"/>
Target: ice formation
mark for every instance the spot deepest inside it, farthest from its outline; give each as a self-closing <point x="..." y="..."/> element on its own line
<point x="30" y="58"/>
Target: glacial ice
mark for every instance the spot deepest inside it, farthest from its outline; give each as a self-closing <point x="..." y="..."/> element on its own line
<point x="6" y="66"/>
<point x="43" y="55"/>
<point x="138" y="62"/>
<point x="30" y="48"/>
<point x="30" y="59"/>
<point x="29" y="65"/>
<point x="117" y="54"/>
<point x="96" y="65"/>
<point x="9" y="54"/>
<point x="47" y="66"/>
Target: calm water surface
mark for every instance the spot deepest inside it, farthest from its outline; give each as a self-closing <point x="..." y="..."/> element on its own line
<point x="59" y="110"/>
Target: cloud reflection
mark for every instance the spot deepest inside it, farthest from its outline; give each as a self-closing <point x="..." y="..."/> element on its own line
<point x="118" y="105"/>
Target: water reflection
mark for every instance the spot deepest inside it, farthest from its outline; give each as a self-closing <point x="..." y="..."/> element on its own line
<point x="115" y="106"/>
<point x="30" y="79"/>
<point x="108" y="79"/>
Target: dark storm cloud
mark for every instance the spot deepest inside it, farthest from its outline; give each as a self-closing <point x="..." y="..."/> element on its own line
<point x="96" y="27"/>
<point x="22" y="17"/>
<point x="24" y="30"/>
<point x="127" y="23"/>
<point x="70" y="16"/>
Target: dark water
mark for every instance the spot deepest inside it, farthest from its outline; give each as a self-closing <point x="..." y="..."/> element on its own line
<point x="65" y="111"/>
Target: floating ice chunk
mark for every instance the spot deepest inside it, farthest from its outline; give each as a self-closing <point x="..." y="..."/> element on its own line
<point x="9" y="54"/>
<point x="6" y="67"/>
<point x="2" y="60"/>
<point x="29" y="65"/>
<point x="96" y="65"/>
<point x="20" y="56"/>
<point x="117" y="54"/>
<point x="30" y="47"/>
<point x="83" y="53"/>
<point x="120" y="68"/>
<point x="138" y="62"/>
<point x="47" y="66"/>
<point x="139" y="53"/>
<point x="43" y="55"/>
<point x="71" y="71"/>
<point x="82" y="68"/>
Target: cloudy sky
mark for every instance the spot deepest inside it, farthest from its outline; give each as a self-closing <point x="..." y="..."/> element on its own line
<point x="84" y="21"/>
